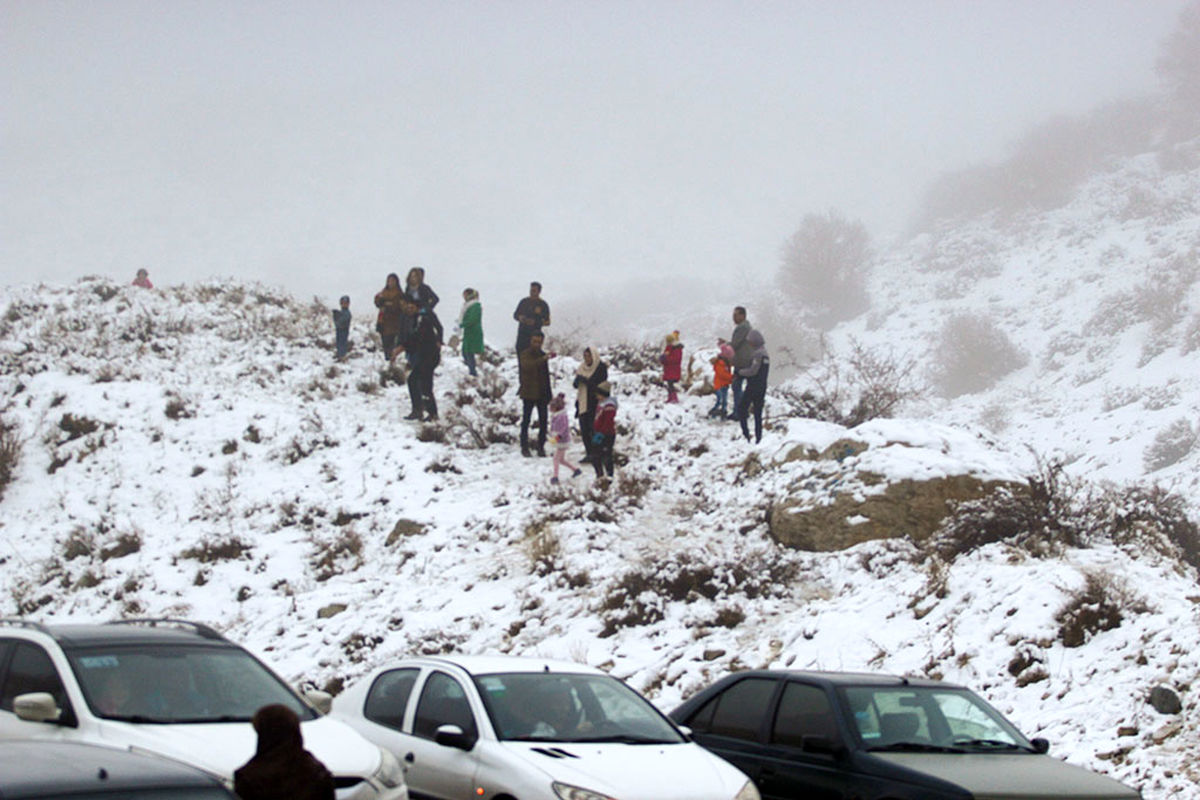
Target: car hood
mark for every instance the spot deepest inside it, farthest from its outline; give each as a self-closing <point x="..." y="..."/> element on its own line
<point x="222" y="747"/>
<point x="1005" y="776"/>
<point x="682" y="771"/>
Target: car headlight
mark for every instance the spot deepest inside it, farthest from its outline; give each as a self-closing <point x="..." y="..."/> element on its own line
<point x="568" y="792"/>
<point x="748" y="792"/>
<point x="389" y="773"/>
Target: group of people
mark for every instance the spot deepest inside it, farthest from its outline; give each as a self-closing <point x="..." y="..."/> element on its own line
<point x="408" y="326"/>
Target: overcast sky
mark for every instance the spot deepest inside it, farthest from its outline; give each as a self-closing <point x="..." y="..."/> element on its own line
<point x="320" y="145"/>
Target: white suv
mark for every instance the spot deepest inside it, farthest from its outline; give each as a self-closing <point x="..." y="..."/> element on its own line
<point x="175" y="688"/>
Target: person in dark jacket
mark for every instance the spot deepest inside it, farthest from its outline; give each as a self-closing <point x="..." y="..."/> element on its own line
<point x="591" y="373"/>
<point x="341" y="326"/>
<point x="419" y="294"/>
<point x="755" y="375"/>
<point x="390" y="324"/>
<point x="423" y="350"/>
<point x="741" y="354"/>
<point x="534" y="391"/>
<point x="281" y="768"/>
<point x="532" y="314"/>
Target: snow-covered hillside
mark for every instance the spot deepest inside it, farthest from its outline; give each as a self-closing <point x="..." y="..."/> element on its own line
<point x="196" y="452"/>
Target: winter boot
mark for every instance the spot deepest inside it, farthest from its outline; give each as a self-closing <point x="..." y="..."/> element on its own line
<point x="672" y="397"/>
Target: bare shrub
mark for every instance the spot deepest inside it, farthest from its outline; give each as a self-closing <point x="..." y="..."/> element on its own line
<point x="824" y="266"/>
<point x="10" y="455"/>
<point x="1039" y="517"/>
<point x="76" y="427"/>
<point x="125" y="544"/>
<point x="208" y="551"/>
<point x="1100" y="605"/>
<point x="865" y="385"/>
<point x="176" y="408"/>
<point x="78" y="544"/>
<point x="343" y="553"/>
<point x="1146" y="517"/>
<point x="971" y="354"/>
<point x="542" y="547"/>
<point x="1171" y="445"/>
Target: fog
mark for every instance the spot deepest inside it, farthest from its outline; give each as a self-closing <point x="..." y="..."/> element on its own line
<point x="320" y="145"/>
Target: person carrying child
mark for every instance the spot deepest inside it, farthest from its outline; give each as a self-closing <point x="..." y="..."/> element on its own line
<point x="722" y="377"/>
<point x="341" y="327"/>
<point x="672" y="361"/>
<point x="604" y="428"/>
<point x="560" y="435"/>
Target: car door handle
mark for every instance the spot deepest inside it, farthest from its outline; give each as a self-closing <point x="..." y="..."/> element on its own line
<point x="409" y="758"/>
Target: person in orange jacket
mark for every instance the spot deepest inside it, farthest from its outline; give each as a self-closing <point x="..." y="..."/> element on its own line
<point x="722" y="377"/>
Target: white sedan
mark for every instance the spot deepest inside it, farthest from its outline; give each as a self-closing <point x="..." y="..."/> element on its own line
<point x="507" y="728"/>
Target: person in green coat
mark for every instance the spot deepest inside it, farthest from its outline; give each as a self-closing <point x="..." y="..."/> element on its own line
<point x="470" y="323"/>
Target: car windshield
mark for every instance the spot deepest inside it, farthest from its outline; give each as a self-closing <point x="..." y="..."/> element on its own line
<point x="558" y="707"/>
<point x="930" y="719"/>
<point x="176" y="684"/>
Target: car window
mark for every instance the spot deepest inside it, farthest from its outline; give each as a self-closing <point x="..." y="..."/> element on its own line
<point x="31" y="670"/>
<point x="803" y="711"/>
<point x="388" y="697"/>
<point x="443" y="702"/>
<point x="738" y="711"/>
<point x="967" y="719"/>
<point x="887" y="716"/>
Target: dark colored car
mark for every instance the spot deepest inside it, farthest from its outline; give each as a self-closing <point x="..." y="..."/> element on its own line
<point x="837" y="736"/>
<point x="74" y="771"/>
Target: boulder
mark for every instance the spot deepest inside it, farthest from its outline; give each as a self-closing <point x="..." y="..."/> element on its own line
<point x="1165" y="701"/>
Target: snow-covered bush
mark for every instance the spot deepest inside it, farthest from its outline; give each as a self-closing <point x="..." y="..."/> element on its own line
<point x="1146" y="517"/>
<point x="10" y="455"/>
<point x="971" y="354"/>
<point x="1099" y="605"/>
<point x="849" y="390"/>
<point x="1171" y="445"/>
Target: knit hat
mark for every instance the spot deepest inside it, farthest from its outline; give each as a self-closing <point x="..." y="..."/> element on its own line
<point x="604" y="389"/>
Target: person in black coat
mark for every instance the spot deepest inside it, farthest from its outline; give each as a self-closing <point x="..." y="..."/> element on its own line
<point x="423" y="350"/>
<point x="420" y="295"/>
<point x="281" y="768"/>
<point x="532" y="314"/>
<point x="591" y="373"/>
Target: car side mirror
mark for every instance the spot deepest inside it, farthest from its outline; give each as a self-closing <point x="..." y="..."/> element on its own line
<point x="821" y="744"/>
<point x="453" y="736"/>
<point x="36" y="707"/>
<point x="1040" y="746"/>
<point x="321" y="701"/>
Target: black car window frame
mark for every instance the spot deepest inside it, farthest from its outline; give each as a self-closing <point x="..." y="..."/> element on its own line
<point x="386" y="683"/>
<point x="425" y="726"/>
<point x="829" y="730"/>
<point x="57" y="689"/>
<point x="768" y="686"/>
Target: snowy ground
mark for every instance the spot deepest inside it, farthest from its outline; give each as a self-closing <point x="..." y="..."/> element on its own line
<point x="236" y="475"/>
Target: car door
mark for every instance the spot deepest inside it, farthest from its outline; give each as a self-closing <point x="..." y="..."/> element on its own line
<point x="30" y="669"/>
<point x="435" y="771"/>
<point x="796" y="761"/>
<point x="734" y="723"/>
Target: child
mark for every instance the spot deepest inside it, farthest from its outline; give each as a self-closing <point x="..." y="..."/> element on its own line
<point x="341" y="326"/>
<point x="560" y="433"/>
<point x="672" y="359"/>
<point x="143" y="279"/>
<point x="605" y="430"/>
<point x="722" y="377"/>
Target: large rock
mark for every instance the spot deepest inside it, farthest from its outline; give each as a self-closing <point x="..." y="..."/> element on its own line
<point x="889" y="481"/>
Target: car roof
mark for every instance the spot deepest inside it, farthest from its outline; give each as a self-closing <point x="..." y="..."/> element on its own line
<point x="487" y="665"/>
<point x="124" y="632"/>
<point x="847" y="678"/>
<point x="52" y="769"/>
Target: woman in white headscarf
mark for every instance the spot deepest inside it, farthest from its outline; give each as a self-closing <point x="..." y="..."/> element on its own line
<point x="591" y="373"/>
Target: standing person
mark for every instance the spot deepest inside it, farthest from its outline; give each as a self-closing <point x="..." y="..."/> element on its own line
<point x="560" y="430"/>
<point x="722" y="377"/>
<point x="532" y="314"/>
<point x="756" y="385"/>
<point x="470" y="322"/>
<point x="143" y="279"/>
<point x="281" y="769"/>
<point x="391" y="316"/>
<point x="534" y="391"/>
<point x="672" y="361"/>
<point x="423" y="349"/>
<point x="604" y="429"/>
<point x="741" y="352"/>
<point x="591" y="373"/>
<point x="419" y="294"/>
<point x="341" y="327"/>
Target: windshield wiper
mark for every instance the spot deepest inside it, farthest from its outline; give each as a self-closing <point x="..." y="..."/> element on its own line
<point x="623" y="738"/>
<point x="991" y="744"/>
<point x="914" y="747"/>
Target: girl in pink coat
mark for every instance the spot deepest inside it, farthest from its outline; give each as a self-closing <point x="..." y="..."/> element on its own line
<point x="560" y="434"/>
